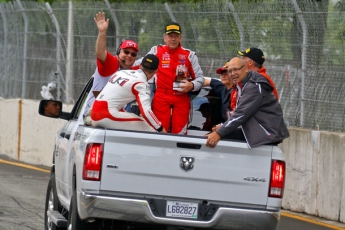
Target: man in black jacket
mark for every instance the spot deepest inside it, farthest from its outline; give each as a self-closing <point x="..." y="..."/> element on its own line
<point x="258" y="112"/>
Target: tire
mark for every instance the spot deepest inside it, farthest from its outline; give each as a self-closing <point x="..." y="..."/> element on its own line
<point x="74" y="221"/>
<point x="52" y="203"/>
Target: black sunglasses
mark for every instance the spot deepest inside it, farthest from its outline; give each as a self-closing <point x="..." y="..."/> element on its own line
<point x="128" y="52"/>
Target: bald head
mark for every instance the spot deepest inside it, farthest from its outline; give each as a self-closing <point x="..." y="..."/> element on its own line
<point x="236" y="60"/>
<point x="237" y="69"/>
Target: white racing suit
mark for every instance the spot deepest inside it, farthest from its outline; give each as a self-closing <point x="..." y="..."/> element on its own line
<point x="123" y="87"/>
<point x="100" y="78"/>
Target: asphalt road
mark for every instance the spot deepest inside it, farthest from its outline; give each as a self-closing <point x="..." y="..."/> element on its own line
<point x="22" y="197"/>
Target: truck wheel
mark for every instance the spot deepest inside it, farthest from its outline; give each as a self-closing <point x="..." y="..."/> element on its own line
<point x="74" y="221"/>
<point x="52" y="203"/>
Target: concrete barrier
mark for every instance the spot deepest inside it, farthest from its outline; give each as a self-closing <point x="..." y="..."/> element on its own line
<point x="315" y="160"/>
<point x="25" y="135"/>
<point x="315" y="173"/>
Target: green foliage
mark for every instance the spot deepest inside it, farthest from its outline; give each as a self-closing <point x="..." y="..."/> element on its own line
<point x="162" y="1"/>
<point x="50" y="1"/>
<point x="340" y="6"/>
<point x="116" y="1"/>
<point x="335" y="35"/>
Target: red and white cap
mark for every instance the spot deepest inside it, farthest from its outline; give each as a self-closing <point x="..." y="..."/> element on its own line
<point x="222" y="69"/>
<point x="129" y="44"/>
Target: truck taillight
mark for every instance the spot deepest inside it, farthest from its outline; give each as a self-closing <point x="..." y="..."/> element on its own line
<point x="93" y="162"/>
<point x="277" y="179"/>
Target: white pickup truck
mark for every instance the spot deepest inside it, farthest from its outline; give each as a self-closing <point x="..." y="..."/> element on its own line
<point x="118" y="179"/>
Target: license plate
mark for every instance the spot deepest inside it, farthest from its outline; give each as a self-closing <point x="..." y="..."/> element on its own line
<point x="182" y="209"/>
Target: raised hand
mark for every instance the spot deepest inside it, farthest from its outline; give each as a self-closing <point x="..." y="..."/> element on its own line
<point x="101" y="22"/>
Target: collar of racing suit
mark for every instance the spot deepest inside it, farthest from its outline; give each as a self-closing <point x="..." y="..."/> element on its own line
<point x="173" y="50"/>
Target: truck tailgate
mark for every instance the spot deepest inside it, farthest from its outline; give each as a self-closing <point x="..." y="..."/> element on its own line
<point x="149" y="164"/>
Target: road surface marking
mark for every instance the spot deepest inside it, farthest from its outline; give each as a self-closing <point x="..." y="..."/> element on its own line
<point x="309" y="220"/>
<point x="24" y="166"/>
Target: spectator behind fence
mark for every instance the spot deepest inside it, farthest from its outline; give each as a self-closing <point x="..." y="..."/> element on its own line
<point x="123" y="87"/>
<point x="107" y="64"/>
<point x="258" y="111"/>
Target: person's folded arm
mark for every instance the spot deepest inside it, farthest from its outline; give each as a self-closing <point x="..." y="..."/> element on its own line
<point x="247" y="106"/>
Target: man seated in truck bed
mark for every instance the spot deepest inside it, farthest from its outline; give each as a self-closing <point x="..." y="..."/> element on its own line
<point x="258" y="111"/>
<point x="122" y="88"/>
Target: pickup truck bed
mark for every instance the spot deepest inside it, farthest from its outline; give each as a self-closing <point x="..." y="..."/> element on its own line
<point x="142" y="173"/>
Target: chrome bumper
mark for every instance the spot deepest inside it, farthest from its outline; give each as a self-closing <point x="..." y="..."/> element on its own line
<point x="104" y="207"/>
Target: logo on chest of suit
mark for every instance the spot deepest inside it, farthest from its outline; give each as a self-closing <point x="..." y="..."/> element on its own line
<point x="165" y="60"/>
<point x="182" y="57"/>
<point x="120" y="81"/>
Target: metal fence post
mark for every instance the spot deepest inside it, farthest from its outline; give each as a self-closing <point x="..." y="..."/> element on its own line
<point x="239" y="24"/>
<point x="117" y="24"/>
<point x="4" y="51"/>
<point x="69" y="64"/>
<point x="58" y="50"/>
<point x="171" y="15"/>
<point x="26" y="28"/>
<point x="303" y="56"/>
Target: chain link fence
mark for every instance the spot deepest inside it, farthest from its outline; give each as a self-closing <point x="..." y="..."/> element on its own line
<point x="303" y="42"/>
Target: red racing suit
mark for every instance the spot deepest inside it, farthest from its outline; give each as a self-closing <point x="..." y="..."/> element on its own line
<point x="123" y="87"/>
<point x="172" y="107"/>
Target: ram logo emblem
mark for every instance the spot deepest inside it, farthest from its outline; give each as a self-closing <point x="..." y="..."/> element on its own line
<point x="187" y="163"/>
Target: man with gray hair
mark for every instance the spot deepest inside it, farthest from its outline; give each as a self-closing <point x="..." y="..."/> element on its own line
<point x="258" y="111"/>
